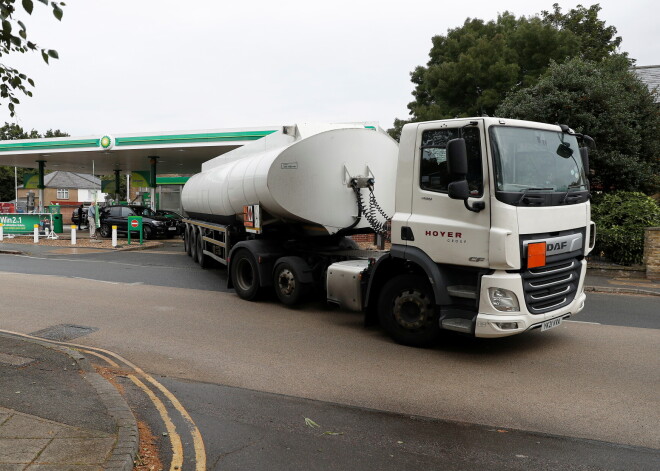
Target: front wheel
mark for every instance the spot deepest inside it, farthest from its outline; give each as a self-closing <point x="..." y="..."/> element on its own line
<point x="245" y="275"/>
<point x="148" y="232"/>
<point x="407" y="311"/>
<point x="105" y="231"/>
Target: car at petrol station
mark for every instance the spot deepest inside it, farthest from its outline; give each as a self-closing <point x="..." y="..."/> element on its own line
<point x="152" y="225"/>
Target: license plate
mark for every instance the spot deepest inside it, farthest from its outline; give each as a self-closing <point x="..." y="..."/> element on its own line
<point x="171" y="228"/>
<point x="551" y="324"/>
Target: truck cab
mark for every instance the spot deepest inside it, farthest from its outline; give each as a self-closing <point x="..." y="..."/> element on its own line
<point x="492" y="217"/>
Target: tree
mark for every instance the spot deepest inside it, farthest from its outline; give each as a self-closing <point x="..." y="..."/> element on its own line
<point x="607" y="101"/>
<point x="473" y="67"/>
<point x="10" y="132"/>
<point x="14" y="39"/>
<point x="596" y="40"/>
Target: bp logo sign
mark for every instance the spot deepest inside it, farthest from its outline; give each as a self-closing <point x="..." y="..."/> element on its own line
<point x="107" y="142"/>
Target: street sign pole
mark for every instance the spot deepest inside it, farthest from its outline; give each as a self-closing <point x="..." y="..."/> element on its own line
<point x="134" y="224"/>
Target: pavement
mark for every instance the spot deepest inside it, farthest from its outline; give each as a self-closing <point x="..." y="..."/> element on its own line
<point x="57" y="413"/>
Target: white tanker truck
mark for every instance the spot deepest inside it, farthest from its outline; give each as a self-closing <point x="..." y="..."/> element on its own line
<point x="489" y="220"/>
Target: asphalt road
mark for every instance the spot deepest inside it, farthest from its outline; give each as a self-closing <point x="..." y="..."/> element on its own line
<point x="591" y="379"/>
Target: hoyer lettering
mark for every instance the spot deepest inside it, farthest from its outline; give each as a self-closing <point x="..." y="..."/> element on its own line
<point x="452" y="235"/>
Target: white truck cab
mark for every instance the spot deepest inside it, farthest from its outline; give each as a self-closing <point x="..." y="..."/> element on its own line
<point x="508" y="232"/>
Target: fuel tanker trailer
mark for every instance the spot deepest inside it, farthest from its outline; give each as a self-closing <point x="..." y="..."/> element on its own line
<point x="489" y="221"/>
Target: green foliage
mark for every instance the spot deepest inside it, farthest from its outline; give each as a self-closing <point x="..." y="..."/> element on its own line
<point x="10" y="132"/>
<point x="607" y="101"/>
<point x="14" y="39"/>
<point x="596" y="40"/>
<point x="473" y="67"/>
<point x="620" y="219"/>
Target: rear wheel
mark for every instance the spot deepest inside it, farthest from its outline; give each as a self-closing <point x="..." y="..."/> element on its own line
<point x="288" y="287"/>
<point x="193" y="243"/>
<point x="186" y="241"/>
<point x="245" y="275"/>
<point x="203" y="260"/>
<point x="407" y="311"/>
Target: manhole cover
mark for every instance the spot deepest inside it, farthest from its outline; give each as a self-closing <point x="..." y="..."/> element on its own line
<point x="64" y="332"/>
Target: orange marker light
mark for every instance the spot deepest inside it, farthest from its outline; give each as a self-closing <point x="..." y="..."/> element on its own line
<point x="536" y="255"/>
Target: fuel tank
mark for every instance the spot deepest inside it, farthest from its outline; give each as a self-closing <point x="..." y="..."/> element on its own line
<point x="297" y="180"/>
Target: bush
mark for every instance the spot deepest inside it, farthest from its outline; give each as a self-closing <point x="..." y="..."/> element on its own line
<point x="620" y="219"/>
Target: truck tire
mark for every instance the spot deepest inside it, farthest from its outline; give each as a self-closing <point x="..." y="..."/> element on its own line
<point x="193" y="243"/>
<point x="288" y="287"/>
<point x="204" y="261"/>
<point x="245" y="275"/>
<point x="186" y="240"/>
<point x="407" y="311"/>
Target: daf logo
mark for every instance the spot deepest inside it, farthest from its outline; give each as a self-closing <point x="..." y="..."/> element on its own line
<point x="558" y="245"/>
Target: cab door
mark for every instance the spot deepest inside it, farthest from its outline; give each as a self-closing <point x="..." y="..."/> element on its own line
<point x="443" y="227"/>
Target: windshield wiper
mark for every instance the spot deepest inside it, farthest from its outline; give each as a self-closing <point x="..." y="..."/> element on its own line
<point x="522" y="197"/>
<point x="568" y="190"/>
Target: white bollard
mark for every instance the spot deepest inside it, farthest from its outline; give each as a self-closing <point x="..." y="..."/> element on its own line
<point x="73" y="234"/>
<point x="36" y="233"/>
<point x="2" y="232"/>
<point x="114" y="236"/>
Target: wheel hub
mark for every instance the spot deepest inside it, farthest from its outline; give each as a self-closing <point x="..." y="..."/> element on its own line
<point x="287" y="282"/>
<point x="412" y="310"/>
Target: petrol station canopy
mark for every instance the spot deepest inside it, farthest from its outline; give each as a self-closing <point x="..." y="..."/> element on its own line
<point x="177" y="152"/>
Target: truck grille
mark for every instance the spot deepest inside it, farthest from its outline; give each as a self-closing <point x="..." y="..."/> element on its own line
<point x="552" y="286"/>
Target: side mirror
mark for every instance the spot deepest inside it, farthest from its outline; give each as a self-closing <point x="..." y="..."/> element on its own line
<point x="459" y="190"/>
<point x="584" y="153"/>
<point x="457" y="166"/>
<point x="457" y="159"/>
<point x="564" y="150"/>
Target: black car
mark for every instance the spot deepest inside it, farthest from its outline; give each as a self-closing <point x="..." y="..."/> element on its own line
<point x="152" y="224"/>
<point x="75" y="217"/>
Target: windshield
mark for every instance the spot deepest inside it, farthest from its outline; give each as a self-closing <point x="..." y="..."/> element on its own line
<point x="536" y="160"/>
<point x="144" y="212"/>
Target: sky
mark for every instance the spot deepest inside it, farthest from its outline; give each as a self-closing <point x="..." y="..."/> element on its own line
<point x="130" y="66"/>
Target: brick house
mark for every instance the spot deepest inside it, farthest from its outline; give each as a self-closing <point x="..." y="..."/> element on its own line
<point x="67" y="189"/>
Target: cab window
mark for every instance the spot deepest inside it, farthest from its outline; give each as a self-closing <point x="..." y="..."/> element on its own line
<point x="434" y="175"/>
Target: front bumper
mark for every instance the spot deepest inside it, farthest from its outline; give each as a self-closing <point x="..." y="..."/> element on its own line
<point x="491" y="323"/>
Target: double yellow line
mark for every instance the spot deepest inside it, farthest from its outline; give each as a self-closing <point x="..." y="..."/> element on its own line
<point x="175" y="438"/>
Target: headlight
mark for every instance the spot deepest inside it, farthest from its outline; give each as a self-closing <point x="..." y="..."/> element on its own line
<point x="156" y="223"/>
<point x="503" y="299"/>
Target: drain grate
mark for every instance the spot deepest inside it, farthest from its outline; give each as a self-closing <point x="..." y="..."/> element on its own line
<point x="64" y="332"/>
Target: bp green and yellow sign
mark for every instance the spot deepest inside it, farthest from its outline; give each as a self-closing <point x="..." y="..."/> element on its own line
<point x="20" y="223"/>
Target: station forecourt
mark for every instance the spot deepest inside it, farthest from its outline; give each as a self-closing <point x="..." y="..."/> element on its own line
<point x="144" y="156"/>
